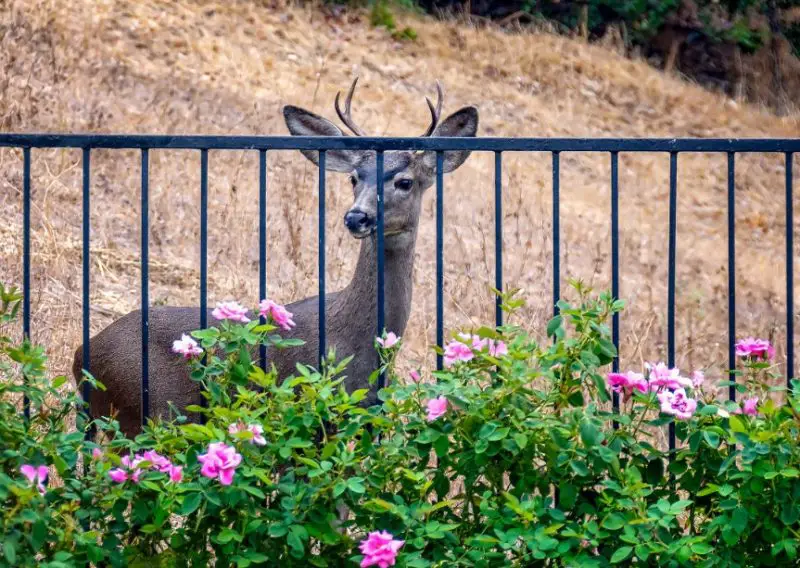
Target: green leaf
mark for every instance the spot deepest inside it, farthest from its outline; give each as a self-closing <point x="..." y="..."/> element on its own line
<point x="277" y="530"/>
<point x="190" y="503"/>
<point x="736" y="424"/>
<point x="38" y="534"/>
<point x="521" y="440"/>
<point x="701" y="548"/>
<point x="621" y="554"/>
<point x="442" y="445"/>
<point x="328" y="450"/>
<point x="428" y="436"/>
<point x="711" y="438"/>
<point x="553" y="326"/>
<point x="499" y="434"/>
<point x="590" y="433"/>
<point x="708" y="410"/>
<point x="606" y="348"/>
<point x="613" y="522"/>
<point x="790" y="512"/>
<point x="356" y="485"/>
<point x="739" y="519"/>
<point x="295" y="540"/>
<point x="254" y="491"/>
<point x="10" y="551"/>
<point x="567" y="495"/>
<point x="579" y="467"/>
<point x="227" y="535"/>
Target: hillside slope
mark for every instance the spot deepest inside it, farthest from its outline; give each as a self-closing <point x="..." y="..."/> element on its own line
<point x="228" y="67"/>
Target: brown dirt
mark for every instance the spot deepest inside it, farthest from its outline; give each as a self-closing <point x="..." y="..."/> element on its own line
<point x="228" y="67"/>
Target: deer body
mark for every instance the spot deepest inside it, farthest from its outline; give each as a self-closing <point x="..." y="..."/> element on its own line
<point x="351" y="314"/>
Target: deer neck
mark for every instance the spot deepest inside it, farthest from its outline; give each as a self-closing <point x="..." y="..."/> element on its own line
<point x="359" y="299"/>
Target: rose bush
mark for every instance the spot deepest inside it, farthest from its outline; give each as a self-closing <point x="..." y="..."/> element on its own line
<point x="509" y="456"/>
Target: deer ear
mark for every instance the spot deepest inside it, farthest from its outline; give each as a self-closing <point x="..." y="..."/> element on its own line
<point x="305" y="123"/>
<point x="463" y="122"/>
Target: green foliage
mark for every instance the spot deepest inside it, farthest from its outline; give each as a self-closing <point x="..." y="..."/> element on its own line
<point x="475" y="486"/>
<point x="381" y="15"/>
<point x="728" y="21"/>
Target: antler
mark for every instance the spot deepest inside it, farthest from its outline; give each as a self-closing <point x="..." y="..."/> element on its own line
<point x="345" y="116"/>
<point x="436" y="113"/>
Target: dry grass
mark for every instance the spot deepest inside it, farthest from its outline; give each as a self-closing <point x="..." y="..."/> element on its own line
<point x="228" y="67"/>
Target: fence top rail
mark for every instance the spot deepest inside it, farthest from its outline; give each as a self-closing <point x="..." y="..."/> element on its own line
<point x="192" y="142"/>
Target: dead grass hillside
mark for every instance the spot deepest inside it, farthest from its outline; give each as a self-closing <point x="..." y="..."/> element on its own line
<point x="227" y="67"/>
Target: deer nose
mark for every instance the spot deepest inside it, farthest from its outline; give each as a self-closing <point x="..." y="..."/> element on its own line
<point x="357" y="221"/>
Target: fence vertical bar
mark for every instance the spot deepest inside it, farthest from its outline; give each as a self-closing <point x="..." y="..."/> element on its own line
<point x="731" y="274"/>
<point x="87" y="388"/>
<point x="26" y="259"/>
<point x="615" y="268"/>
<point x="145" y="308"/>
<point x="262" y="243"/>
<point x="498" y="235"/>
<point x="439" y="257"/>
<point x="203" y="238"/>
<point x="203" y="250"/>
<point x="380" y="253"/>
<point x="789" y="271"/>
<point x="321" y="255"/>
<point x="673" y="230"/>
<point x="556" y="232"/>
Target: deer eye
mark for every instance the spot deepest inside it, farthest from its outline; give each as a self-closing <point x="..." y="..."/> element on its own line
<point x="404" y="184"/>
<point x="353" y="180"/>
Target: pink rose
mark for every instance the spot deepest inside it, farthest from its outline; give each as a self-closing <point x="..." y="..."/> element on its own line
<point x="186" y="346"/>
<point x="749" y="407"/>
<point x="497" y="348"/>
<point x="415" y="376"/>
<point x="220" y="461"/>
<point x="677" y="403"/>
<point x="379" y="549"/>
<point x="37" y="475"/>
<point x="390" y="341"/>
<point x="660" y="376"/>
<point x="278" y="313"/>
<point x="175" y="473"/>
<point x="132" y="469"/>
<point x="436" y="408"/>
<point x="118" y="475"/>
<point x="627" y="382"/>
<point x="751" y="348"/>
<point x="456" y="351"/>
<point x="232" y="311"/>
<point x="255" y="429"/>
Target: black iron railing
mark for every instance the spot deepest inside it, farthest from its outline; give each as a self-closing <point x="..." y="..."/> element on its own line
<point x="611" y="146"/>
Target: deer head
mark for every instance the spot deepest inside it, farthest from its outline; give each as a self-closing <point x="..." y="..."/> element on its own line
<point x="407" y="174"/>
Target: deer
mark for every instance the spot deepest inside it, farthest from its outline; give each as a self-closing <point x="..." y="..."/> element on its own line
<point x="351" y="313"/>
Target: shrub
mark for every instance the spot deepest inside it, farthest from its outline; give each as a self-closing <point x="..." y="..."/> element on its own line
<point x="510" y="456"/>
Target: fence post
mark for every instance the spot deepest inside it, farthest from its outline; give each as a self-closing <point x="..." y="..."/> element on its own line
<point x="145" y="307"/>
<point x="26" y="259"/>
<point x="673" y="229"/>
<point x="439" y="257"/>
<point x="321" y="257"/>
<point x="87" y="388"/>
<point x="731" y="274"/>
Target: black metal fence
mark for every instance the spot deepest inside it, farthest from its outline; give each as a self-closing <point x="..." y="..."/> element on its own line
<point x="611" y="146"/>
